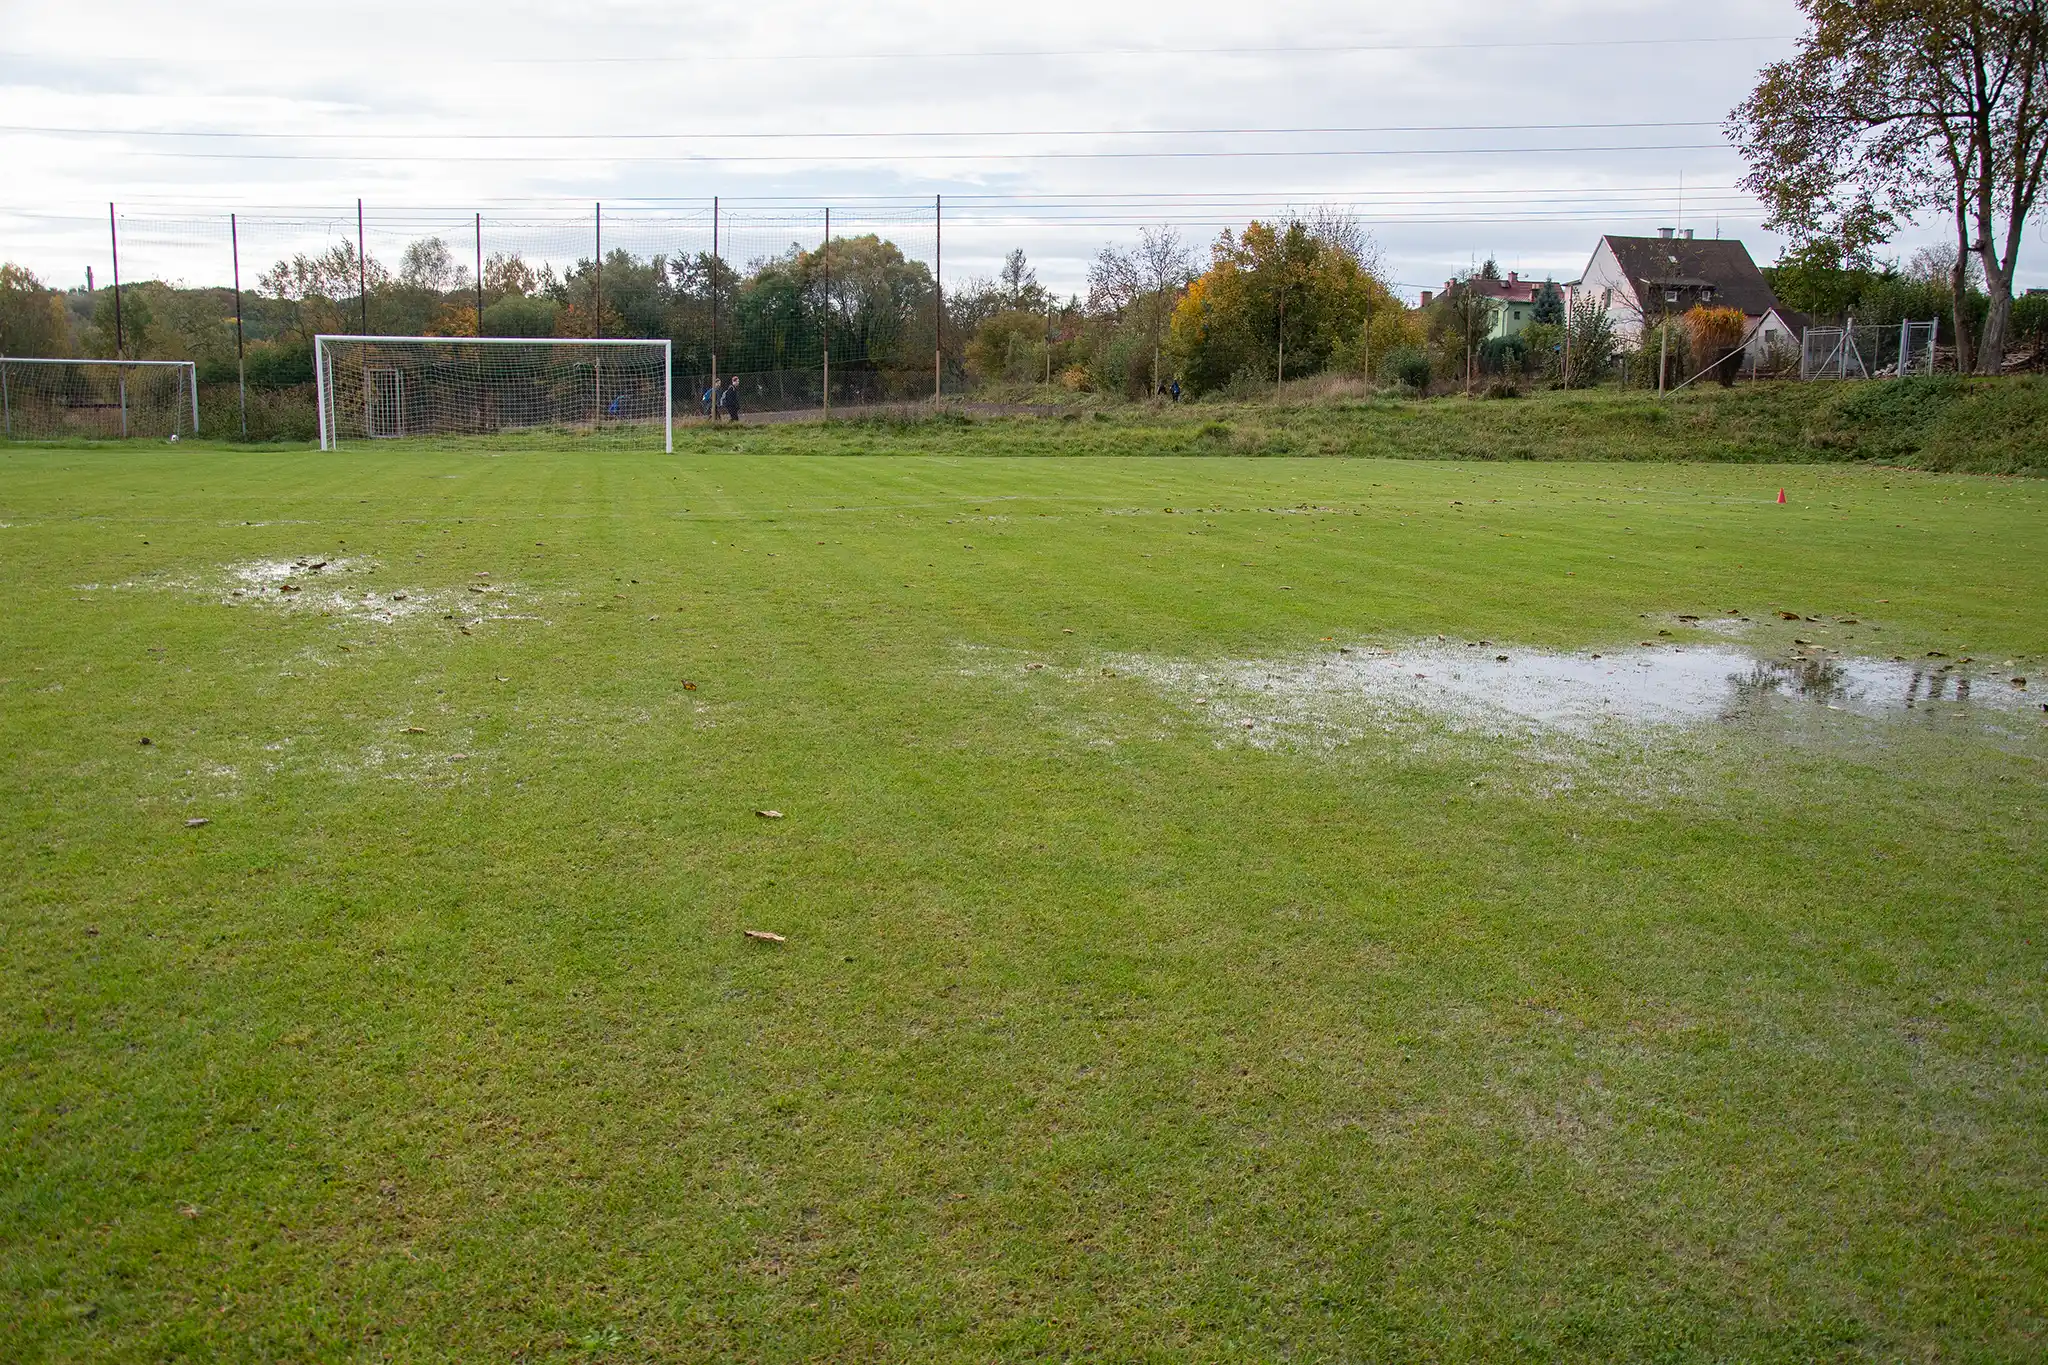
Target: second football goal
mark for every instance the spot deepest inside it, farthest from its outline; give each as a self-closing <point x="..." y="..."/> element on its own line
<point x="599" y="392"/>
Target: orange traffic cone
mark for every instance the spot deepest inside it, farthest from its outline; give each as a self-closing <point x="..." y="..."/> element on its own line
<point x="1781" y="497"/>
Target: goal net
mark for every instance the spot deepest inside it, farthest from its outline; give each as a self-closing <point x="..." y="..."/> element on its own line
<point x="608" y="393"/>
<point x="41" y="399"/>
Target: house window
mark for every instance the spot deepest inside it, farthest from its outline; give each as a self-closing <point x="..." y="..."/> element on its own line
<point x="1518" y="315"/>
<point x="1607" y="298"/>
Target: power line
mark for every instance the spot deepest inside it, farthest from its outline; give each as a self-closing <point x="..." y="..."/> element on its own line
<point x="70" y="131"/>
<point x="1039" y="54"/>
<point x="1034" y="54"/>
<point x="698" y="158"/>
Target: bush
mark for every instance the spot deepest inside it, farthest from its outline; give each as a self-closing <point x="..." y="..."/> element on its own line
<point x="1407" y="366"/>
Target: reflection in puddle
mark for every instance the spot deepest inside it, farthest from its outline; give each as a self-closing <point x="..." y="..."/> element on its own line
<point x="1472" y="687"/>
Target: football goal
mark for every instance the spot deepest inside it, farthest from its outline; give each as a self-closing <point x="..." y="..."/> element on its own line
<point x="596" y="392"/>
<point x="44" y="398"/>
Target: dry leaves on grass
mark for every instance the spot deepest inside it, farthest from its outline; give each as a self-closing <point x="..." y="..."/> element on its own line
<point x="764" y="936"/>
<point x="769" y="814"/>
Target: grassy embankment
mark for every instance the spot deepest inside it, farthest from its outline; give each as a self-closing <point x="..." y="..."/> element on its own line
<point x="1099" y="1031"/>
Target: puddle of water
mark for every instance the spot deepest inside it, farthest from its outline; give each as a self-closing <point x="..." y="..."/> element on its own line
<point x="1579" y="694"/>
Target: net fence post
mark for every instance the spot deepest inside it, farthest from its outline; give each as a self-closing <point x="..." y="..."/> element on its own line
<point x="714" y="308"/>
<point x="241" y="363"/>
<point x="668" y="397"/>
<point x="192" y="386"/>
<point x="362" y="270"/>
<point x="479" y="274"/>
<point x="826" y="328"/>
<point x="938" y="296"/>
<point x="6" y="401"/>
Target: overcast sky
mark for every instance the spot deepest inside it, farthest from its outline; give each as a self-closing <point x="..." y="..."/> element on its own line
<point x="1459" y="130"/>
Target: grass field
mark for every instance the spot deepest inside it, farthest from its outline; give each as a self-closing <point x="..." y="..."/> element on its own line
<point x="1105" y="1026"/>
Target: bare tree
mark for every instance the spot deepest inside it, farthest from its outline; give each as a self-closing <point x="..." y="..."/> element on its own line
<point x="1893" y="108"/>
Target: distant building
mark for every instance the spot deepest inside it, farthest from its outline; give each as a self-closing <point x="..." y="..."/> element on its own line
<point x="1515" y="297"/>
<point x="1643" y="280"/>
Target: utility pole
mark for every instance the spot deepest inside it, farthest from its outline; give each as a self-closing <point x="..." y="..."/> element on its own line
<point x="938" y="297"/>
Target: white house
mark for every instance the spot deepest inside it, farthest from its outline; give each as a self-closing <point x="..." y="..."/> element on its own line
<point x="1647" y="279"/>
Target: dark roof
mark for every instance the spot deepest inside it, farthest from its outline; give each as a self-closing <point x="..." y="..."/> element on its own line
<point x="1722" y="262"/>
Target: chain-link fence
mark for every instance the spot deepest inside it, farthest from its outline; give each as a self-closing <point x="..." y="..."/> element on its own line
<point x="1868" y="351"/>
<point x="807" y="307"/>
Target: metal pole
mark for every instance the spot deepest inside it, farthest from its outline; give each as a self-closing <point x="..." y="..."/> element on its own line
<point x="1566" y="374"/>
<point x="714" y="308"/>
<point x="114" y="239"/>
<point x="6" y="399"/>
<point x="362" y="271"/>
<point x="241" y="363"/>
<point x="1048" y="348"/>
<point x="1663" y="348"/>
<point x="668" y="398"/>
<point x="938" y="297"/>
<point x="828" y="312"/>
<point x="597" y="280"/>
<point x="120" y="374"/>
<point x="192" y="386"/>
<point x="479" y="274"/>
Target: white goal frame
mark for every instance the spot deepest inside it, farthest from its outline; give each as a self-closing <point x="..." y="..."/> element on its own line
<point x="324" y="387"/>
<point x="120" y="367"/>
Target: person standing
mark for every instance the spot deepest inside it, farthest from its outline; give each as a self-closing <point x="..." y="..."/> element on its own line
<point x="731" y="399"/>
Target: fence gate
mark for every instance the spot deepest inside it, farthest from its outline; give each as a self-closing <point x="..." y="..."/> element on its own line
<point x="1868" y="350"/>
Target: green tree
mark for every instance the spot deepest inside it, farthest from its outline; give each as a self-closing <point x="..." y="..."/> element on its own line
<point x="32" y="317"/>
<point x="1292" y="298"/>
<point x="1894" y="108"/>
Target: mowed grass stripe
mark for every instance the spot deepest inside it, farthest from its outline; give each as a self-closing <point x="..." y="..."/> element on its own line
<point x="1097" y="1031"/>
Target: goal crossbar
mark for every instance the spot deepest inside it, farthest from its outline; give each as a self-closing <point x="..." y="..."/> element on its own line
<point x="188" y="370"/>
<point x="324" y="382"/>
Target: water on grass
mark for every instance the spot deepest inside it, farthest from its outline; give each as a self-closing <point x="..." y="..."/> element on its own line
<point x="1484" y="688"/>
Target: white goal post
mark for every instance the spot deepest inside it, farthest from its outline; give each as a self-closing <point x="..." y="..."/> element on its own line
<point x="43" y="397"/>
<point x="610" y="391"/>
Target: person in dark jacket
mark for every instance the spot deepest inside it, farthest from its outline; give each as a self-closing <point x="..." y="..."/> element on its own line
<point x="730" y="400"/>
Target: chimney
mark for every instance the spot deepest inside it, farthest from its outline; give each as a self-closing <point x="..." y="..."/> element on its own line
<point x="1685" y="234"/>
<point x="1514" y="277"/>
<point x="1667" y="233"/>
<point x="1427" y="295"/>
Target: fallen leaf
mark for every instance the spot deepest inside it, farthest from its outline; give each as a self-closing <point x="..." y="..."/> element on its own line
<point x="1788" y="616"/>
<point x="196" y="821"/>
<point x="415" y="730"/>
<point x="189" y="1210"/>
<point x="769" y="814"/>
<point x="2019" y="682"/>
<point x="689" y="687"/>
<point x="288" y="587"/>
<point x="1028" y="668"/>
<point x="1688" y="618"/>
<point x="477" y="587"/>
<point x="1500" y="658"/>
<point x="764" y="936"/>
